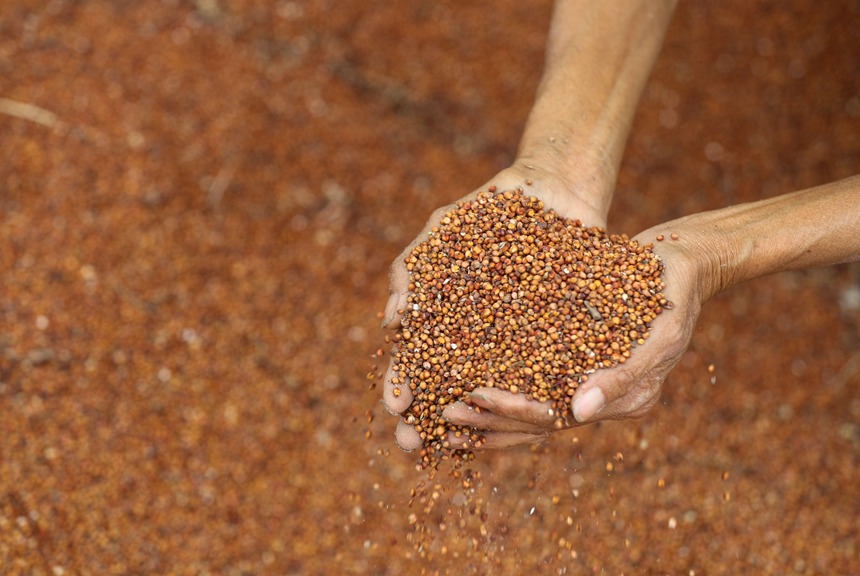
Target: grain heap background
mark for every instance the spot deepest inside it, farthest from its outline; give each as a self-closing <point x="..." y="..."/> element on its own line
<point x="194" y="237"/>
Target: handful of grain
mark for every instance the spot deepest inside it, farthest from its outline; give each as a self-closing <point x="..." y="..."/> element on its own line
<point x="508" y="295"/>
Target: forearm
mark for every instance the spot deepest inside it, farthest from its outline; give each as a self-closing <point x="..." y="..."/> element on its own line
<point x="815" y="227"/>
<point x="599" y="57"/>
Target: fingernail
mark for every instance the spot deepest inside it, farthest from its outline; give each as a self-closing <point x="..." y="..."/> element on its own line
<point x="588" y="405"/>
<point x="390" y="310"/>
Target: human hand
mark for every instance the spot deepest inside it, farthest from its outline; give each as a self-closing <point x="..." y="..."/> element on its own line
<point x="577" y="129"/>
<point x="627" y="390"/>
<point x="703" y="254"/>
<point x="555" y="193"/>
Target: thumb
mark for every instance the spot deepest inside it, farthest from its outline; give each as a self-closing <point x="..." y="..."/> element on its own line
<point x="588" y="402"/>
<point x="616" y="393"/>
<point x="630" y="389"/>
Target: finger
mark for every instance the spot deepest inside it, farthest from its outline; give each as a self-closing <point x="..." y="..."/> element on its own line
<point x="617" y="398"/>
<point x="514" y="406"/>
<point x="459" y="440"/>
<point x="465" y="415"/>
<point x="588" y="403"/>
<point x="614" y="393"/>
<point x="395" y="402"/>
<point x="398" y="277"/>
<point x="494" y="440"/>
<point x="398" y="289"/>
<point x="629" y="390"/>
<point x="500" y="440"/>
<point x="407" y="437"/>
<point x="397" y="298"/>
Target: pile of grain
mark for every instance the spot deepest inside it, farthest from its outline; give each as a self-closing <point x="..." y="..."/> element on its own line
<point x="509" y="295"/>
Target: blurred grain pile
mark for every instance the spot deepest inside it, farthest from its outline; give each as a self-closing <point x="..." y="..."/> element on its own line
<point x="195" y="235"/>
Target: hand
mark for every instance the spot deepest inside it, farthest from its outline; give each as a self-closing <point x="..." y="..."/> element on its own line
<point x="627" y="390"/>
<point x="555" y="193"/>
<point x="577" y="128"/>
<point x="714" y="251"/>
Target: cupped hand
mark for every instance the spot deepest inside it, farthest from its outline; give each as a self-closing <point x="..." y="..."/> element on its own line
<point x="624" y="391"/>
<point x="556" y="194"/>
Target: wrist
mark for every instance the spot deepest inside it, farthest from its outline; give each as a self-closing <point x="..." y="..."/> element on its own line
<point x="578" y="171"/>
<point x="582" y="180"/>
<point x="540" y="178"/>
<point x="599" y="56"/>
<point x="697" y="252"/>
<point x="805" y="229"/>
